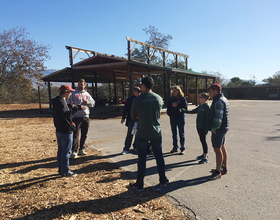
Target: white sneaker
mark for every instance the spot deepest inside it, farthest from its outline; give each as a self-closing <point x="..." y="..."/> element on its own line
<point x="124" y="152"/>
<point x="70" y="174"/>
<point x="82" y="152"/>
<point x="73" y="155"/>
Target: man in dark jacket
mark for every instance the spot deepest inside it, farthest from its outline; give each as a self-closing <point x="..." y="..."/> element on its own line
<point x="129" y="122"/>
<point x="218" y="124"/>
<point x="62" y="114"/>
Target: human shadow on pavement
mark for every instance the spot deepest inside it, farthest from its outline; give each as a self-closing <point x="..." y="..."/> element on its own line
<point x="168" y="167"/>
<point x="127" y="162"/>
<point x="153" y="169"/>
<point x="184" y="183"/>
<point x="275" y="138"/>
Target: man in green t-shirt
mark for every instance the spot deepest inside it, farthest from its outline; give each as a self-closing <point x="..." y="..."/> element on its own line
<point x="146" y="108"/>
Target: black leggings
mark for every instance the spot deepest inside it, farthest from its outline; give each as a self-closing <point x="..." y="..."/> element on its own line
<point x="202" y="137"/>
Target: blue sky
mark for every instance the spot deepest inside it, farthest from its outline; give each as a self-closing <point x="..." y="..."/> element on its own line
<point x="238" y="38"/>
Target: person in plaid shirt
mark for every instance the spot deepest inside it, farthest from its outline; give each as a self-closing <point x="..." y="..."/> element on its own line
<point x="218" y="124"/>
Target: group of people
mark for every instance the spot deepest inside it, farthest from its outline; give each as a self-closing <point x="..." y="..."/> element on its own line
<point x="145" y="112"/>
<point x="142" y="112"/>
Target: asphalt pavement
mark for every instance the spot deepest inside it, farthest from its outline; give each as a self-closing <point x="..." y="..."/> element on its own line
<point x="250" y="189"/>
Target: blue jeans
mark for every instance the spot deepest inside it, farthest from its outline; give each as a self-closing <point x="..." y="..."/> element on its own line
<point x="64" y="142"/>
<point x="129" y="136"/>
<point x="142" y="147"/>
<point x="180" y="123"/>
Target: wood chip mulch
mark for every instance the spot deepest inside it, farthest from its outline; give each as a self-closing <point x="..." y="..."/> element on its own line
<point x="30" y="187"/>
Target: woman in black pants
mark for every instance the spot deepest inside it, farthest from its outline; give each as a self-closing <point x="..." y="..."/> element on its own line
<point x="201" y="124"/>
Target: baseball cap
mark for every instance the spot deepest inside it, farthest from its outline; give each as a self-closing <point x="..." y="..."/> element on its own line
<point x="66" y="87"/>
<point x="137" y="89"/>
<point x="216" y="87"/>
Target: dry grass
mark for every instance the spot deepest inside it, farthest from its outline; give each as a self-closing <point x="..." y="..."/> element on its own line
<point x="31" y="189"/>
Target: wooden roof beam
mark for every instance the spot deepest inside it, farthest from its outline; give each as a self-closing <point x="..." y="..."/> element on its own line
<point x="94" y="66"/>
<point x="156" y="48"/>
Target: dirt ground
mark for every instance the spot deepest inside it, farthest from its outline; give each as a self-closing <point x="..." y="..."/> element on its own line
<point x="30" y="187"/>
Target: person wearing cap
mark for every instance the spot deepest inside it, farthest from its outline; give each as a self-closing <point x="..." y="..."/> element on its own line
<point x="62" y="114"/>
<point x="218" y="124"/>
<point x="177" y="118"/>
<point x="81" y="118"/>
<point x="129" y="122"/>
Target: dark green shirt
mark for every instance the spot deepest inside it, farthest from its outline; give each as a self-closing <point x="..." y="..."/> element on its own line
<point x="147" y="107"/>
<point x="202" y="115"/>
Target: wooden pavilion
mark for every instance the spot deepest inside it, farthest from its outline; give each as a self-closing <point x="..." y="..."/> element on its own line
<point x="104" y="68"/>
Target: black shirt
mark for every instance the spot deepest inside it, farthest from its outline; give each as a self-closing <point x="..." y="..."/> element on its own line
<point x="62" y="115"/>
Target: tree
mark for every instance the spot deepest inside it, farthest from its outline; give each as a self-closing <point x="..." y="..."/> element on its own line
<point x="237" y="82"/>
<point x="159" y="40"/>
<point x="274" y="80"/>
<point x="21" y="63"/>
<point x="156" y="39"/>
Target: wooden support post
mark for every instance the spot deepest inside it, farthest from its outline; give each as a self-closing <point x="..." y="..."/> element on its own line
<point x="115" y="88"/>
<point x="184" y="85"/>
<point x="122" y="91"/>
<point x="149" y="61"/>
<point x="168" y="87"/>
<point x="95" y="87"/>
<point x="164" y="88"/>
<point x="206" y="81"/>
<point x="117" y="94"/>
<point x="130" y="80"/>
<point x="92" y="88"/>
<point x="128" y="50"/>
<point x="196" y="86"/>
<point x="164" y="79"/>
<point x="39" y="94"/>
<point x="187" y="87"/>
<point x="70" y="57"/>
<point x="110" y="93"/>
<point x="148" y="55"/>
<point x="50" y="96"/>
<point x="129" y="70"/>
<point x="186" y="63"/>
<point x="177" y="77"/>
<point x="73" y="78"/>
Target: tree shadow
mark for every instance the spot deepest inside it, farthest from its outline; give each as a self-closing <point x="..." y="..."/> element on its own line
<point x="48" y="113"/>
<point x="27" y="183"/>
<point x="28" y="113"/>
<point x="18" y="164"/>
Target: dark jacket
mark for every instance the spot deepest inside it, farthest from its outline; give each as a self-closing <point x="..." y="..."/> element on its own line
<point x="202" y="116"/>
<point x="218" y="119"/>
<point x="174" y="112"/>
<point x="62" y="114"/>
<point x="127" y="109"/>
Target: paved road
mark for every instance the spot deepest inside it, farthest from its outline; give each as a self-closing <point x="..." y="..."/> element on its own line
<point x="251" y="188"/>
